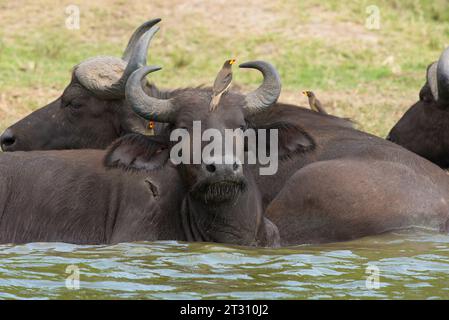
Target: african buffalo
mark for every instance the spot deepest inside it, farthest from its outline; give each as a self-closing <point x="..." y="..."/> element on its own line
<point x="422" y="129"/>
<point x="86" y="197"/>
<point x="334" y="182"/>
<point x="219" y="192"/>
<point x="344" y="184"/>
<point x="92" y="111"/>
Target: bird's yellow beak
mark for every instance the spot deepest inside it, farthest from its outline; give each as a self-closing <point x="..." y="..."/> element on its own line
<point x="304" y="93"/>
<point x="232" y="61"/>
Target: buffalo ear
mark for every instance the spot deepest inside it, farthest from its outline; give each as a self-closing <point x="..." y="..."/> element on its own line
<point x="291" y="139"/>
<point x="425" y="94"/>
<point x="137" y="152"/>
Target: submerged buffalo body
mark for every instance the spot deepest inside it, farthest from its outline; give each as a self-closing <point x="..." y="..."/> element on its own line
<point x="423" y="127"/>
<point x="92" y="111"/>
<point x="350" y="184"/>
<point x="87" y="197"/>
<point x="69" y="196"/>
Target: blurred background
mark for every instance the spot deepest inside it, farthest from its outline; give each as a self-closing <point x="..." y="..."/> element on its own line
<point x="364" y="59"/>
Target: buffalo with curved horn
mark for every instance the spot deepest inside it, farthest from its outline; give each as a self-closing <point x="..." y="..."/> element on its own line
<point x="92" y="111"/>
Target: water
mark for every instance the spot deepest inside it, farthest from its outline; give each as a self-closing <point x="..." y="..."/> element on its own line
<point x="411" y="265"/>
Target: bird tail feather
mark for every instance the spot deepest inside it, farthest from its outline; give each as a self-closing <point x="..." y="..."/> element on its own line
<point x="214" y="102"/>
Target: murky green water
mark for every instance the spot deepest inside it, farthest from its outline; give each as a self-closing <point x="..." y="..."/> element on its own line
<point x="411" y="265"/>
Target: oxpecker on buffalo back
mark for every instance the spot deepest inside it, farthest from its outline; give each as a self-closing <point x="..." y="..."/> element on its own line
<point x="314" y="103"/>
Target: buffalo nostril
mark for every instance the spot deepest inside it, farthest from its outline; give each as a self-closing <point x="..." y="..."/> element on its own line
<point x="211" y="168"/>
<point x="7" y="139"/>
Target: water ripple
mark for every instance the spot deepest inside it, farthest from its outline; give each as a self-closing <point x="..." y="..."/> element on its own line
<point x="410" y="265"/>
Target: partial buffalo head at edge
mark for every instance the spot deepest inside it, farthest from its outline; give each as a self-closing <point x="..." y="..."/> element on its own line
<point x="422" y="129"/>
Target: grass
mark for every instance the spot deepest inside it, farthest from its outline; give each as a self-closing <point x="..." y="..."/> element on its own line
<point x="372" y="76"/>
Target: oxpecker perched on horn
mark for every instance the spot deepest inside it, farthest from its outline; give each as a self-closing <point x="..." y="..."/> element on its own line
<point x="314" y="103"/>
<point x="222" y="83"/>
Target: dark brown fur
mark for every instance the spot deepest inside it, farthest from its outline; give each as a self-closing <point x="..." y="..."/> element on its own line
<point x="69" y="196"/>
<point x="351" y="184"/>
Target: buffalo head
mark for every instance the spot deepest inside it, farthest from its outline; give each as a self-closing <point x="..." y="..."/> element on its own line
<point x="422" y="129"/>
<point x="214" y="179"/>
<point x="92" y="111"/>
<point x="223" y="203"/>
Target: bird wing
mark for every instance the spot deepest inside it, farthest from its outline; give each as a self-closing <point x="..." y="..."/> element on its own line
<point x="222" y="81"/>
<point x="319" y="106"/>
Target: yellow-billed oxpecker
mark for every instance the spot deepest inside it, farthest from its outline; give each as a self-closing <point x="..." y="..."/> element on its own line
<point x="222" y="83"/>
<point x="314" y="103"/>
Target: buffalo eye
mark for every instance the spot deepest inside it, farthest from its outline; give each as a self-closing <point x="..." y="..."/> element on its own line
<point x="75" y="105"/>
<point x="72" y="104"/>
